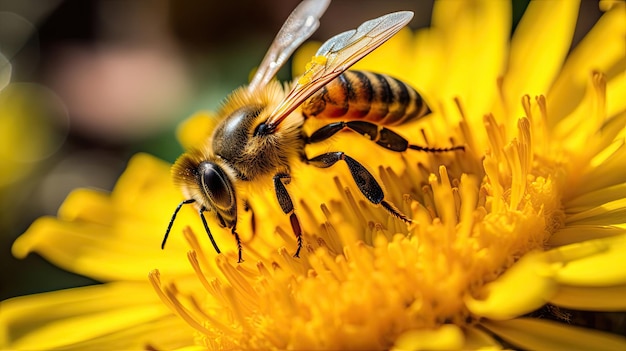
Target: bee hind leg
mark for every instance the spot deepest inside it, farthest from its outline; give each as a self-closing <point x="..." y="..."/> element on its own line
<point x="380" y="135"/>
<point x="284" y="200"/>
<point x="239" y="249"/>
<point x="364" y="180"/>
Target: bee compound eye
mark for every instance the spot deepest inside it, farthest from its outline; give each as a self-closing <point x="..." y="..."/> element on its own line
<point x="216" y="185"/>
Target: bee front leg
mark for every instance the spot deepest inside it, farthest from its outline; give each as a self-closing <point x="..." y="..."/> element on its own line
<point x="382" y="136"/>
<point x="284" y="200"/>
<point x="364" y="180"/>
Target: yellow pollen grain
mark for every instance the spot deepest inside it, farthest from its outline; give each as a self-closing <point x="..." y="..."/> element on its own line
<point x="307" y="77"/>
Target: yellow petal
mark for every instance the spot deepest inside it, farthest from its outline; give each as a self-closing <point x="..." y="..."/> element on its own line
<point x="503" y="298"/>
<point x="90" y="249"/>
<point x="613" y="212"/>
<point x="111" y="314"/>
<point x="446" y="337"/>
<point x="591" y="298"/>
<point x="106" y="238"/>
<point x="88" y="205"/>
<point x="579" y="233"/>
<point x="195" y="130"/>
<point x="396" y="47"/>
<point x="538" y="48"/>
<point x="612" y="128"/>
<point x="607" y="170"/>
<point x="539" y="334"/>
<point x="477" y="339"/>
<point x="609" y="58"/>
<point x="615" y="91"/>
<point x="466" y="71"/>
<point x="591" y="199"/>
<point x="593" y="263"/>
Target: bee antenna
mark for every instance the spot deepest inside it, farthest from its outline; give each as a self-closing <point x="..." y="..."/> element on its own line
<point x="169" y="227"/>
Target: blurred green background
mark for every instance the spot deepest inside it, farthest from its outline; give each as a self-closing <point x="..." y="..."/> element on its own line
<point x="94" y="82"/>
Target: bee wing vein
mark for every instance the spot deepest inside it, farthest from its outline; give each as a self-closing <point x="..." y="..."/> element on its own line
<point x="339" y="53"/>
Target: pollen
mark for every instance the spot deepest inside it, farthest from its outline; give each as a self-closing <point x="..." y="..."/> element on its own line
<point x="309" y="68"/>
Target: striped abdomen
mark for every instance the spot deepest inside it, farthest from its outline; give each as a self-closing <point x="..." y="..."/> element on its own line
<point x="367" y="96"/>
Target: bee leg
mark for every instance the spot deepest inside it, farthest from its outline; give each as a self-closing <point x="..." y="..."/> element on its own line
<point x="364" y="180"/>
<point x="239" y="249"/>
<point x="206" y="228"/>
<point x="284" y="200"/>
<point x="380" y="135"/>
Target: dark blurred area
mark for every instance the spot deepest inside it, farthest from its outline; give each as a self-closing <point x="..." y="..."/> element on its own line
<point x="93" y="82"/>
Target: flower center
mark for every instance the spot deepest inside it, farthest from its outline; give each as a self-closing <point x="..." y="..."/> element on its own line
<point x="473" y="219"/>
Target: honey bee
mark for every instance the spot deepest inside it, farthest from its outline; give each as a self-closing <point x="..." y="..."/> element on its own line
<point x="260" y="133"/>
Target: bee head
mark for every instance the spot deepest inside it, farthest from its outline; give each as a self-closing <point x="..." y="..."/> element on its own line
<point x="208" y="182"/>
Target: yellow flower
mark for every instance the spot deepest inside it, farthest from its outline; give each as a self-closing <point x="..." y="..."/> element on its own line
<point x="532" y="215"/>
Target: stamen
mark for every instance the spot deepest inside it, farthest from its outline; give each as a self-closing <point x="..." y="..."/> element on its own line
<point x="468" y="190"/>
<point x="518" y="184"/>
<point x="491" y="170"/>
<point x="495" y="135"/>
<point x="155" y="280"/>
<point x="193" y="259"/>
<point x="288" y="239"/>
<point x="526" y="106"/>
<point x="466" y="131"/>
<point x="429" y="200"/>
<point x="308" y="218"/>
<point x="192" y="240"/>
<point x="379" y="230"/>
<point x="525" y="137"/>
<point x="263" y="270"/>
<point x="241" y="285"/>
<point x="331" y="265"/>
<point x="236" y="304"/>
<point x="356" y="215"/>
<point x="169" y="298"/>
<point x="333" y="238"/>
<point x="184" y="313"/>
<point x="444" y="200"/>
<point x="317" y="265"/>
<point x="291" y="264"/>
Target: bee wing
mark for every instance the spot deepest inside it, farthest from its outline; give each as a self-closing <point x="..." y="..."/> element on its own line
<point x="299" y="26"/>
<point x="335" y="56"/>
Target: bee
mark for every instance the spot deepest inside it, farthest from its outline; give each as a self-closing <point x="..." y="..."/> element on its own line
<point x="260" y="133"/>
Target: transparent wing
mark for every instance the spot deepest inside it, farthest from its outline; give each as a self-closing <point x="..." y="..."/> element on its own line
<point x="335" y="56"/>
<point x="298" y="27"/>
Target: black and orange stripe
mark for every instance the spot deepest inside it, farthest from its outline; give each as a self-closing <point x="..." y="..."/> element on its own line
<point x="361" y="95"/>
